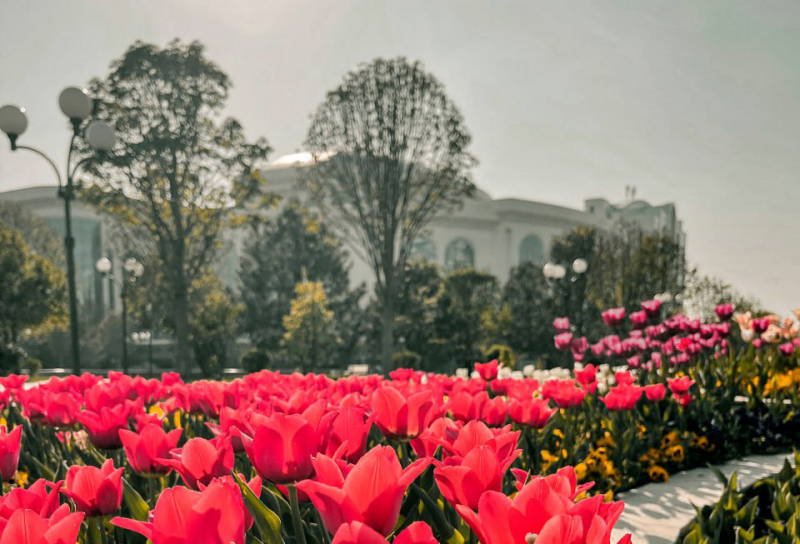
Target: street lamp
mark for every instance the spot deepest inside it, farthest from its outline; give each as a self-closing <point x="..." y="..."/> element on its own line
<point x="554" y="271"/>
<point x="76" y="104"/>
<point x="131" y="271"/>
<point x="579" y="266"/>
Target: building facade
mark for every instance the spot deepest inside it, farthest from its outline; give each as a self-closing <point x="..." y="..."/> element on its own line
<point x="495" y="235"/>
<point x="491" y="235"/>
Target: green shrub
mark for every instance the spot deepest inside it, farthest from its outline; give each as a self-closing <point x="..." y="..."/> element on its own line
<point x="766" y="512"/>
<point x="254" y="360"/>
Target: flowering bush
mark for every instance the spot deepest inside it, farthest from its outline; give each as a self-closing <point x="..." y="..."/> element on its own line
<point x="498" y="458"/>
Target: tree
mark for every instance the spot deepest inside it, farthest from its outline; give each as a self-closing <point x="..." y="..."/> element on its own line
<point x="629" y="266"/>
<point x="389" y="150"/>
<point x="32" y="289"/>
<point x="40" y="237"/>
<point x="416" y="310"/>
<point x="704" y="293"/>
<point x="528" y="298"/>
<point x="309" y="334"/>
<point x="282" y="253"/>
<point x="467" y="296"/>
<point x="179" y="170"/>
<point x="212" y="323"/>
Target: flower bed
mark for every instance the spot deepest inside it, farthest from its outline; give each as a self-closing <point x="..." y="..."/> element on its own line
<point x="499" y="458"/>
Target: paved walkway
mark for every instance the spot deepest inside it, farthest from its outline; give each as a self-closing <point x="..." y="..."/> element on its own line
<point x="655" y="513"/>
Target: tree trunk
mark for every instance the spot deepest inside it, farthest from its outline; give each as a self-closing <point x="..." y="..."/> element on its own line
<point x="181" y="301"/>
<point x="387" y="336"/>
<point x="387" y="330"/>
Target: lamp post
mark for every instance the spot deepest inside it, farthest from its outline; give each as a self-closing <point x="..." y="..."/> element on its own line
<point x="579" y="267"/>
<point x="553" y="271"/>
<point x="76" y="104"/>
<point x="131" y="271"/>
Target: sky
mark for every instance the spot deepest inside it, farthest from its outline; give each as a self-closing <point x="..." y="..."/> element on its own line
<point x="696" y="103"/>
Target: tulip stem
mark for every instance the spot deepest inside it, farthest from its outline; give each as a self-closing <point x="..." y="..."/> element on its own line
<point x="296" y="521"/>
<point x="152" y="488"/>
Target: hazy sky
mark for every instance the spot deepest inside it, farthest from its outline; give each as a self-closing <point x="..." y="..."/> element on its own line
<point x="695" y="102"/>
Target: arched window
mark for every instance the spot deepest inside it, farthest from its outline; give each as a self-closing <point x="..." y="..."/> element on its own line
<point x="423" y="249"/>
<point x="531" y="250"/>
<point x="459" y="254"/>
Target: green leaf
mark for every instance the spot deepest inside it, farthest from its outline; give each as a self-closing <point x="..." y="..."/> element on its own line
<point x="267" y="521"/>
<point x="134" y="501"/>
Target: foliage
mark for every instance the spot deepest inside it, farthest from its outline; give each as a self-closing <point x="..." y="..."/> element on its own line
<point x="416" y="312"/>
<point x="179" y="171"/>
<point x="527" y="297"/>
<point x="212" y="323"/>
<point x="255" y="360"/>
<point x="466" y="297"/>
<point x="309" y="336"/>
<point x="40" y="237"/>
<point x="390" y="152"/>
<point x="765" y="512"/>
<point x="704" y="293"/>
<point x="281" y="253"/>
<point x="628" y="266"/>
<point x="32" y="289"/>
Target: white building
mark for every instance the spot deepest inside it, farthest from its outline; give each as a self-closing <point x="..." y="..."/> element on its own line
<point x="491" y="235"/>
<point x="495" y="235"/>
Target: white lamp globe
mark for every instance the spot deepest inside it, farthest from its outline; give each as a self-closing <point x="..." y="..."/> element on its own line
<point x="75" y="103"/>
<point x="13" y="120"/>
<point x="579" y="266"/>
<point x="103" y="266"/>
<point x="101" y="136"/>
<point x="559" y="271"/>
<point x="549" y="270"/>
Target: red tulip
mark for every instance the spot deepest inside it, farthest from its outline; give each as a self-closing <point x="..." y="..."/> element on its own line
<point x="624" y="378"/>
<point x="201" y="460"/>
<point x="351" y="427"/>
<point x="544" y="508"/>
<point x="495" y="411"/>
<point x="680" y="386"/>
<point x="561" y="324"/>
<point x="651" y="308"/>
<point x="655" y="392"/>
<point x="281" y="448"/>
<point x="425" y="444"/>
<point x="95" y="491"/>
<point x="37" y="498"/>
<point x="61" y="409"/>
<point x="587" y="375"/>
<point x="27" y="527"/>
<point x="464" y="480"/>
<point x="9" y="452"/>
<point x="400" y="417"/>
<point x="183" y="516"/>
<point x="532" y="412"/>
<point x="103" y="426"/>
<point x="613" y="317"/>
<point x="371" y="493"/>
<point x="622" y="397"/>
<point x="488" y="371"/>
<point x="638" y="319"/>
<point x="563" y="393"/>
<point x="144" y="448"/>
<point x="724" y="311"/>
<point x="476" y="433"/>
<point x="466" y="406"/>
<point x="563" y="341"/>
<point x="358" y="533"/>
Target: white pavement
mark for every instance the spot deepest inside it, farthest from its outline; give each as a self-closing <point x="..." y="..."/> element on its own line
<point x="655" y="513"/>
